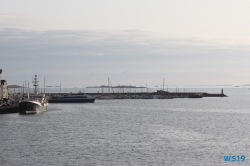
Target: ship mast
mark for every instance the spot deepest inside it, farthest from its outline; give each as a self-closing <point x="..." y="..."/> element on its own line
<point x="35" y="84"/>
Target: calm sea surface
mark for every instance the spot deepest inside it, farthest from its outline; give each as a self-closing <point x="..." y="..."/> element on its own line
<point x="131" y="132"/>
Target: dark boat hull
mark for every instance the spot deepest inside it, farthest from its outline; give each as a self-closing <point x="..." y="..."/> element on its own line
<point x="82" y="100"/>
<point x="31" y="108"/>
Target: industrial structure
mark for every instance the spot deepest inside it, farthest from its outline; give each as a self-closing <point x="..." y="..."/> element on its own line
<point x="3" y="89"/>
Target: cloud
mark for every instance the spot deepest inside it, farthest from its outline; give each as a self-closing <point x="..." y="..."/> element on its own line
<point x="14" y="20"/>
<point x="130" y="56"/>
<point x="15" y="42"/>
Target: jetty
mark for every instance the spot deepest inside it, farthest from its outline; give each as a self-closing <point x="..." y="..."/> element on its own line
<point x="14" y="108"/>
<point x="159" y="92"/>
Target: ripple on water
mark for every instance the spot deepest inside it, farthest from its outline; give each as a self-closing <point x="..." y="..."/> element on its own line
<point x="128" y="132"/>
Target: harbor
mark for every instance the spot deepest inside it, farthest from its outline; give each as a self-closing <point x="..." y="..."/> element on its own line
<point x="140" y="95"/>
<point x="141" y="131"/>
<point x="90" y="97"/>
<point x="34" y="100"/>
<point x="124" y="83"/>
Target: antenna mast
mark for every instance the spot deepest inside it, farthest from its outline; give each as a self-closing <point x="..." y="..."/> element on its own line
<point x="35" y="84"/>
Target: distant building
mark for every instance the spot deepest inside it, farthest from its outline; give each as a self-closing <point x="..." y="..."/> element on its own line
<point x="4" y="90"/>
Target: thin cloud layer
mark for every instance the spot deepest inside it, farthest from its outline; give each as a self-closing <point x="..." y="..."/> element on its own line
<point x="15" y="42"/>
<point x="129" y="57"/>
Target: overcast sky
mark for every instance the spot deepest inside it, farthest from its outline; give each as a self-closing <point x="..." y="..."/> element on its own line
<point x="134" y="42"/>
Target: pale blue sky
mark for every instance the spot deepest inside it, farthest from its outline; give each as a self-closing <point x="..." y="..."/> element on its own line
<point x="83" y="42"/>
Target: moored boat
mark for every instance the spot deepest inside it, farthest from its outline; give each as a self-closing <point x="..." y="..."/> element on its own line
<point x="33" y="106"/>
<point x="34" y="103"/>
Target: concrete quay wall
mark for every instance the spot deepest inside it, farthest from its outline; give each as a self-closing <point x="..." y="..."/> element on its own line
<point x="9" y="109"/>
<point x="204" y="94"/>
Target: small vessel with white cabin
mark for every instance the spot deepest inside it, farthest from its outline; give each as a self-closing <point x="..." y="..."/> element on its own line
<point x="33" y="103"/>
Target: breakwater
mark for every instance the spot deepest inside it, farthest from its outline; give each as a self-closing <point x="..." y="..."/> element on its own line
<point x="138" y="95"/>
<point x="173" y="94"/>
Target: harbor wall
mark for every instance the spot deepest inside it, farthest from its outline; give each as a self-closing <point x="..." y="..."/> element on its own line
<point x="204" y="94"/>
<point x="9" y="109"/>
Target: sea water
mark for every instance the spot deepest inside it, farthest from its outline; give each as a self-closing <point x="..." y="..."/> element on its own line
<point x="132" y="132"/>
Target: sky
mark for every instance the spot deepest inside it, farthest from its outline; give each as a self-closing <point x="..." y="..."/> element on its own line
<point x="134" y="42"/>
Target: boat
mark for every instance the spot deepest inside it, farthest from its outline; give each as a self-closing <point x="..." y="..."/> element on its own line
<point x="109" y="96"/>
<point x="71" y="98"/>
<point x="33" y="103"/>
<point x="163" y="95"/>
